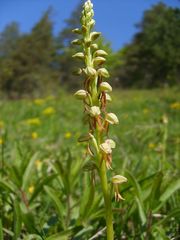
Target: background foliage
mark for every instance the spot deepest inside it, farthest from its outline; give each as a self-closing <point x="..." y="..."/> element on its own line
<point x="40" y="62"/>
<point x="45" y="174"/>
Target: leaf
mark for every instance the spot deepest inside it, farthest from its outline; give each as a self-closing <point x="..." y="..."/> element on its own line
<point x="87" y="198"/>
<point x="6" y="186"/>
<point x="154" y="195"/>
<point x="1" y="230"/>
<point x="40" y="184"/>
<point x="175" y="213"/>
<point x="173" y="186"/>
<point x="28" y="220"/>
<point x="138" y="196"/>
<point x="62" y="235"/>
<point x="141" y="211"/>
<point x="28" y="172"/>
<point x="53" y="195"/>
<point x="17" y="222"/>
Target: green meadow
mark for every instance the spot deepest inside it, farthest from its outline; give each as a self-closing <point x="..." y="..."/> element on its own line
<point x="44" y="173"/>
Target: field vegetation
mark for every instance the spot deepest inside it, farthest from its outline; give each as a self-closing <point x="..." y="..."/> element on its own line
<point x="44" y="174"/>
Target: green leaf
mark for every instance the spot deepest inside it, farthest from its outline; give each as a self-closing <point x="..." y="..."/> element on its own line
<point x="6" y="186"/>
<point x="28" y="220"/>
<point x="62" y="235"/>
<point x="175" y="213"/>
<point x="87" y="198"/>
<point x="53" y="195"/>
<point x="138" y="196"/>
<point x="173" y="186"/>
<point x="155" y="191"/>
<point x="39" y="186"/>
<point x="1" y="230"/>
<point x="17" y="220"/>
<point x="28" y="172"/>
<point x="141" y="210"/>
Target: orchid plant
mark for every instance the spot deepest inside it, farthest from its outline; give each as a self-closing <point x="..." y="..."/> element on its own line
<point x="95" y="97"/>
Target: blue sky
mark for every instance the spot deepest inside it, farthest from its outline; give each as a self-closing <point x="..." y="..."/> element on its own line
<point x="114" y="18"/>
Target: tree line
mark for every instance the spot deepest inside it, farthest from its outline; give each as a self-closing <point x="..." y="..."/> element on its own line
<point x="39" y="62"/>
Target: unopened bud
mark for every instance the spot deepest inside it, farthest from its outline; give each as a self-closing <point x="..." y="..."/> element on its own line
<point x="99" y="60"/>
<point x="95" y="111"/>
<point x="77" y="30"/>
<point x="112" y="118"/>
<point x="84" y="29"/>
<point x="77" y="72"/>
<point x="94" y="35"/>
<point x="81" y="94"/>
<point x="103" y="72"/>
<point x="79" y="55"/>
<point x="104" y="86"/>
<point x="92" y="23"/>
<point x="94" y="46"/>
<point x="76" y="42"/>
<point x="91" y="72"/>
<point x="100" y="53"/>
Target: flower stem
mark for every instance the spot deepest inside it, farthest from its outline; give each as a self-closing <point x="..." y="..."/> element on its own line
<point x="107" y="201"/>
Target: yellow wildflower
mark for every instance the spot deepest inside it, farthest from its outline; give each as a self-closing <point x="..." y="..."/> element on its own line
<point x="1" y="124"/>
<point x="31" y="189"/>
<point x="175" y="106"/>
<point x="1" y="141"/>
<point x="39" y="101"/>
<point x="68" y="135"/>
<point x="145" y="110"/>
<point x="151" y="145"/>
<point x="48" y="111"/>
<point x="34" y="135"/>
<point x="33" y="121"/>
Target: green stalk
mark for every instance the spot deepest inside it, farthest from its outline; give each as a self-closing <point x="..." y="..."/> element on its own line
<point x="106" y="192"/>
<point x="107" y="201"/>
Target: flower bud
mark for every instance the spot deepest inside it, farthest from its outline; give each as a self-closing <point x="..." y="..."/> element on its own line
<point x="112" y="118"/>
<point x="94" y="35"/>
<point x="104" y="86"/>
<point x="87" y="43"/>
<point x="118" y="179"/>
<point x="100" y="53"/>
<point x="77" y="72"/>
<point x="108" y="98"/>
<point x="103" y="72"/>
<point x="84" y="29"/>
<point x="76" y="42"/>
<point x="99" y="60"/>
<point x="81" y="94"/>
<point x="95" y="111"/>
<point x="79" y="55"/>
<point x="94" y="46"/>
<point x="92" y="23"/>
<point x="91" y="72"/>
<point x="77" y="30"/>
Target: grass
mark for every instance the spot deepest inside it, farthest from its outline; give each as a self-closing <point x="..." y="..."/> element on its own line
<point x="43" y="174"/>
